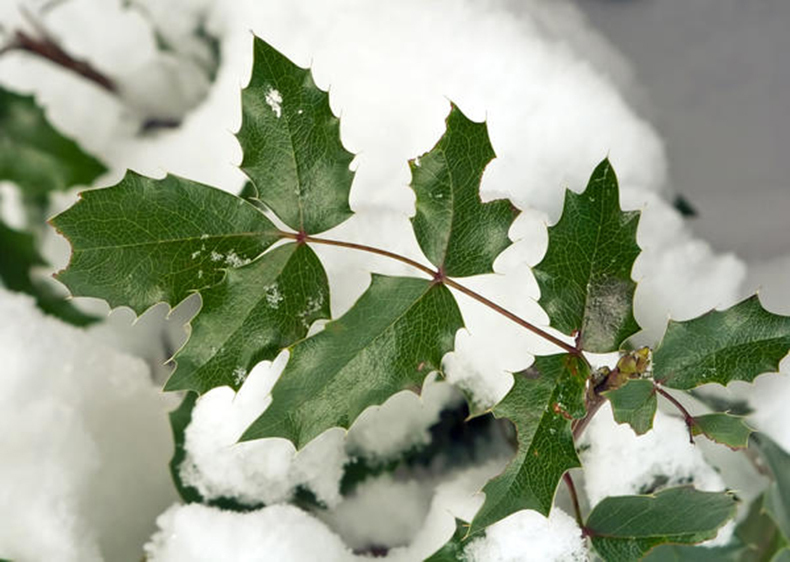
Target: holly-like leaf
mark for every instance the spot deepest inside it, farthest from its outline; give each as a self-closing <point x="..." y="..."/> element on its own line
<point x="635" y="404"/>
<point x="145" y="241"/>
<point x="251" y="315"/>
<point x="721" y="346"/>
<point x="453" y="550"/>
<point x="625" y="528"/>
<point x="585" y="277"/>
<point x="723" y="428"/>
<point x="457" y="232"/>
<point x="395" y="334"/>
<point x="541" y="404"/>
<point x="34" y="155"/>
<point x="777" y="497"/>
<point x="291" y="144"/>
<point x="18" y="258"/>
<point x="759" y="534"/>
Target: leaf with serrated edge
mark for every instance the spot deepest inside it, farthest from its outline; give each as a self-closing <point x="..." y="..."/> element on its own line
<point x="453" y="550"/>
<point x="457" y="232"/>
<point x="625" y="528"/>
<point x="723" y="428"/>
<point x="291" y="144"/>
<point x="721" y="346"/>
<point x="394" y="335"/>
<point x="539" y="405"/>
<point x="144" y="241"/>
<point x="251" y="315"/>
<point x="635" y="404"/>
<point x="777" y="495"/>
<point x="585" y="277"/>
<point x="34" y="155"/>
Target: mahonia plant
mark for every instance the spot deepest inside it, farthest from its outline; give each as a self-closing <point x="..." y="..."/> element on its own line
<point x="146" y="241"/>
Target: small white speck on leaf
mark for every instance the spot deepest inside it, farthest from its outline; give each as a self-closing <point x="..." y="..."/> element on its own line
<point x="275" y="99"/>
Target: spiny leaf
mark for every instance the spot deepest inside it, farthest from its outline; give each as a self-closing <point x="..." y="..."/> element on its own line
<point x="457" y="231"/>
<point x="625" y="528"/>
<point x="585" y="277"/>
<point x="395" y="334"/>
<point x="453" y="550"/>
<point x="251" y="315"/>
<point x="291" y="144"/>
<point x="34" y="155"/>
<point x="145" y="241"/>
<point x="18" y="258"/>
<point x="721" y="346"/>
<point x="635" y="404"/>
<point x="777" y="496"/>
<point x="723" y="428"/>
<point x="541" y="403"/>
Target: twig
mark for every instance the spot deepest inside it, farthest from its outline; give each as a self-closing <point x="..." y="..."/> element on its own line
<point x="439" y="277"/>
<point x="687" y="417"/>
<point x="574" y="499"/>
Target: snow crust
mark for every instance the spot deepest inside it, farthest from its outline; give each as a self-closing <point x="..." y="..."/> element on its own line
<point x="528" y="535"/>
<point x="661" y="457"/>
<point x="85" y="442"/>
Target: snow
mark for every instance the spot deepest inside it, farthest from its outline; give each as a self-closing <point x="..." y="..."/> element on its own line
<point x="548" y="87"/>
<point x="85" y="442"/>
<point x="659" y="458"/>
<point x="198" y="533"/>
<point x="528" y="535"/>
<point x="262" y="471"/>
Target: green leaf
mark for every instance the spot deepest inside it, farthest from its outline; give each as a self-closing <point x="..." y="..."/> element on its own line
<point x="34" y="155"/>
<point x="251" y="315"/>
<point x="541" y="404"/>
<point x="777" y="496"/>
<point x="585" y="277"/>
<point x="685" y="553"/>
<point x="721" y="346"/>
<point x="145" y="241"/>
<point x="782" y="556"/>
<point x="18" y="258"/>
<point x="291" y="144"/>
<point x="625" y="528"/>
<point x="390" y="340"/>
<point x="723" y="428"/>
<point x="453" y="550"/>
<point x="635" y="404"/>
<point x="759" y="533"/>
<point x="459" y="233"/>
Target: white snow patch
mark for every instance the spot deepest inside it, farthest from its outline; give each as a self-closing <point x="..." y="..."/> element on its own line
<point x="264" y="470"/>
<point x="661" y="457"/>
<point x="234" y="260"/>
<point x="272" y="295"/>
<point x="216" y="256"/>
<point x="275" y="99"/>
<point x="278" y="533"/>
<point x="528" y="535"/>
<point x="84" y="432"/>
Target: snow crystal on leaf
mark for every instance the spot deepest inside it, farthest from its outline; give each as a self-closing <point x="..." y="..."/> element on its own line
<point x="275" y="99"/>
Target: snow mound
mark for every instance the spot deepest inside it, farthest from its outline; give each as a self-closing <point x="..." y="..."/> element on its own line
<point x="659" y="458"/>
<point x="261" y="471"/>
<point x="198" y="533"/>
<point x="528" y="535"/>
<point x="85" y="443"/>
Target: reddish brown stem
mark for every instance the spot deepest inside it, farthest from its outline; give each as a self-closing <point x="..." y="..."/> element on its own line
<point x="687" y="417"/>
<point x="47" y="49"/>
<point x="438" y="276"/>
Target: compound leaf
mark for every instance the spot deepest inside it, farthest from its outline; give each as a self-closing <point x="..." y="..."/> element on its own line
<point x="723" y="428"/>
<point x="253" y="313"/>
<point x="291" y="144"/>
<point x="585" y="277"/>
<point x="541" y="404"/>
<point x="145" y="241"/>
<point x="34" y="155"/>
<point x="721" y="346"/>
<point x="457" y="231"/>
<point x="393" y="336"/>
<point x="625" y="528"/>
<point x="635" y="404"/>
